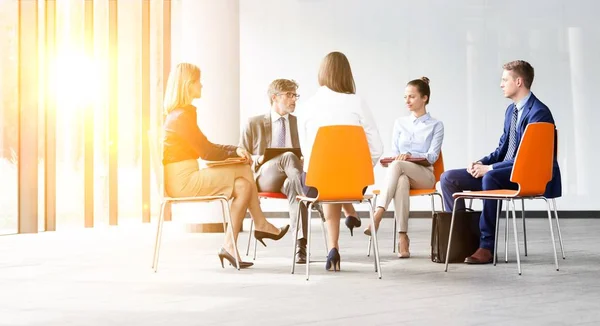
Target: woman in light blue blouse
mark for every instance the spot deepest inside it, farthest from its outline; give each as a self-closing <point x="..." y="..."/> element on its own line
<point x="416" y="143"/>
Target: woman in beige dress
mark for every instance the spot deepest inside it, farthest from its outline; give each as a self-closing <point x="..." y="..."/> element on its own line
<point x="184" y="143"/>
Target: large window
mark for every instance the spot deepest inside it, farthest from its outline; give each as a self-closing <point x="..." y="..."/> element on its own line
<point x="9" y="118"/>
<point x="75" y="56"/>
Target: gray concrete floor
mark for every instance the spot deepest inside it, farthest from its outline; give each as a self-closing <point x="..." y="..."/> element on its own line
<point x="102" y="276"/>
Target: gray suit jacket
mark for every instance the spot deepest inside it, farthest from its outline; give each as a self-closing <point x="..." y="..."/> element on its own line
<point x="256" y="136"/>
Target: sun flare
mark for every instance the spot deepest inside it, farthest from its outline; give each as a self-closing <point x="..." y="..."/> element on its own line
<point x="75" y="80"/>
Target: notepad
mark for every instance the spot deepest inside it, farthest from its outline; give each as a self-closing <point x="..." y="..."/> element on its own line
<point x="420" y="161"/>
<point x="229" y="161"/>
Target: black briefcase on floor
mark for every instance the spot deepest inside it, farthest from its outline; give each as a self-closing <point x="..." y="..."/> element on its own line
<point x="465" y="238"/>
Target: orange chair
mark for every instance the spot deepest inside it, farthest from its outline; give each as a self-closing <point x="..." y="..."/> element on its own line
<point x="438" y="170"/>
<point x="532" y="171"/>
<point x="339" y="179"/>
<point x="553" y="203"/>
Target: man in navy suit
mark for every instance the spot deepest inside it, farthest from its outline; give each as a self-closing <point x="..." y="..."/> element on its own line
<point x="494" y="171"/>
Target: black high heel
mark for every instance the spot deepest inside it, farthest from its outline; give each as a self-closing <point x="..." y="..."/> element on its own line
<point x="223" y="254"/>
<point x="260" y="235"/>
<point x="333" y="260"/>
<point x="352" y="222"/>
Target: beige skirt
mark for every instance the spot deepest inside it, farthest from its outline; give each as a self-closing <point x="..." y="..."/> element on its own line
<point x="186" y="179"/>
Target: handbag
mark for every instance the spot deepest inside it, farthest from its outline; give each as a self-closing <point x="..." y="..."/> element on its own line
<point x="465" y="240"/>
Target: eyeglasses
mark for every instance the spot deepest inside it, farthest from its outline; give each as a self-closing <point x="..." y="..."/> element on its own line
<point x="289" y="95"/>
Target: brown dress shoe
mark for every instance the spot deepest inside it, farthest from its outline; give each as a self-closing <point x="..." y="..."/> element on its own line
<point x="301" y="251"/>
<point x="481" y="256"/>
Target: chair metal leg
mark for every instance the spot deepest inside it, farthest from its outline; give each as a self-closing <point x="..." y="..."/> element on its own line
<point x="308" y="241"/>
<point x="296" y="239"/>
<point x="374" y="235"/>
<point x="470" y="203"/>
<point x="551" y="232"/>
<point x="395" y="234"/>
<point x="255" y="246"/>
<point x="227" y="218"/>
<point x="560" y="240"/>
<point x="432" y="214"/>
<point x="450" y="233"/>
<point x="514" y="220"/>
<point x="499" y="203"/>
<point x="506" y="232"/>
<point x="524" y="228"/>
<point x="370" y="238"/>
<point x="441" y="201"/>
<point x="324" y="231"/>
<point x="250" y="236"/>
<point x="159" y="227"/>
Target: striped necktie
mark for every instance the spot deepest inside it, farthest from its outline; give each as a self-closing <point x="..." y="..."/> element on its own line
<point x="280" y="140"/>
<point x="512" y="137"/>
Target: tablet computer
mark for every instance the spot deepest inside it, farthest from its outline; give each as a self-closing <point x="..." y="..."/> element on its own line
<point x="274" y="152"/>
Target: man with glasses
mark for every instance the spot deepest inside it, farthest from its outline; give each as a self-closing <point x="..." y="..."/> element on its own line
<point x="279" y="129"/>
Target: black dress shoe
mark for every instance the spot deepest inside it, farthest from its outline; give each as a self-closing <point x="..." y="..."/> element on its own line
<point x="333" y="260"/>
<point x="301" y="251"/>
<point x="352" y="222"/>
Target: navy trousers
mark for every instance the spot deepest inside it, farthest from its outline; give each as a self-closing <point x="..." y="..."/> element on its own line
<point x="458" y="180"/>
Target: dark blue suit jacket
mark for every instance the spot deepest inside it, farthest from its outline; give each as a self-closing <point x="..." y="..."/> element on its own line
<point x="533" y="111"/>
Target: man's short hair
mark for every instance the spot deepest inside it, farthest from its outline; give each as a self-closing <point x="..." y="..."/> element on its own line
<point x="281" y="86"/>
<point x="521" y="69"/>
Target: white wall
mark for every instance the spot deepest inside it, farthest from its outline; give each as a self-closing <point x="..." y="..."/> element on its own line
<point x="206" y="33"/>
<point x="461" y="46"/>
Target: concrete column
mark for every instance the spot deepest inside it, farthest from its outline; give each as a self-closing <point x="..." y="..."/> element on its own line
<point x="210" y="38"/>
<point x="206" y="33"/>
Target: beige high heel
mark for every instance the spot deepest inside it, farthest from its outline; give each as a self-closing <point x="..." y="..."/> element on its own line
<point x="403" y="251"/>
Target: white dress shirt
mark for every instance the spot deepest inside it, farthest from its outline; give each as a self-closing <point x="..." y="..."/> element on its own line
<point x="275" y="130"/>
<point x="327" y="108"/>
<point x="421" y="137"/>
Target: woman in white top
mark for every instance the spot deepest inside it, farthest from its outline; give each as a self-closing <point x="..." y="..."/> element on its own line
<point x="335" y="103"/>
<point x="416" y="136"/>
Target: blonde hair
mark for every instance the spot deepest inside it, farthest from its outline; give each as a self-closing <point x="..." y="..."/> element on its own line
<point x="336" y="74"/>
<point x="280" y="86"/>
<point x="177" y="91"/>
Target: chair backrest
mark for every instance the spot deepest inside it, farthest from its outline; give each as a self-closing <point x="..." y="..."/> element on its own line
<point x="340" y="163"/>
<point x="438" y="167"/>
<point x="156" y="148"/>
<point x="532" y="169"/>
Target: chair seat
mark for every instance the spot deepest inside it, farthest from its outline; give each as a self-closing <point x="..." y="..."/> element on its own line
<point x="422" y="192"/>
<point x="198" y="198"/>
<point x="342" y="200"/>
<point x="272" y="195"/>
<point x="503" y="193"/>
<point x="413" y="192"/>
